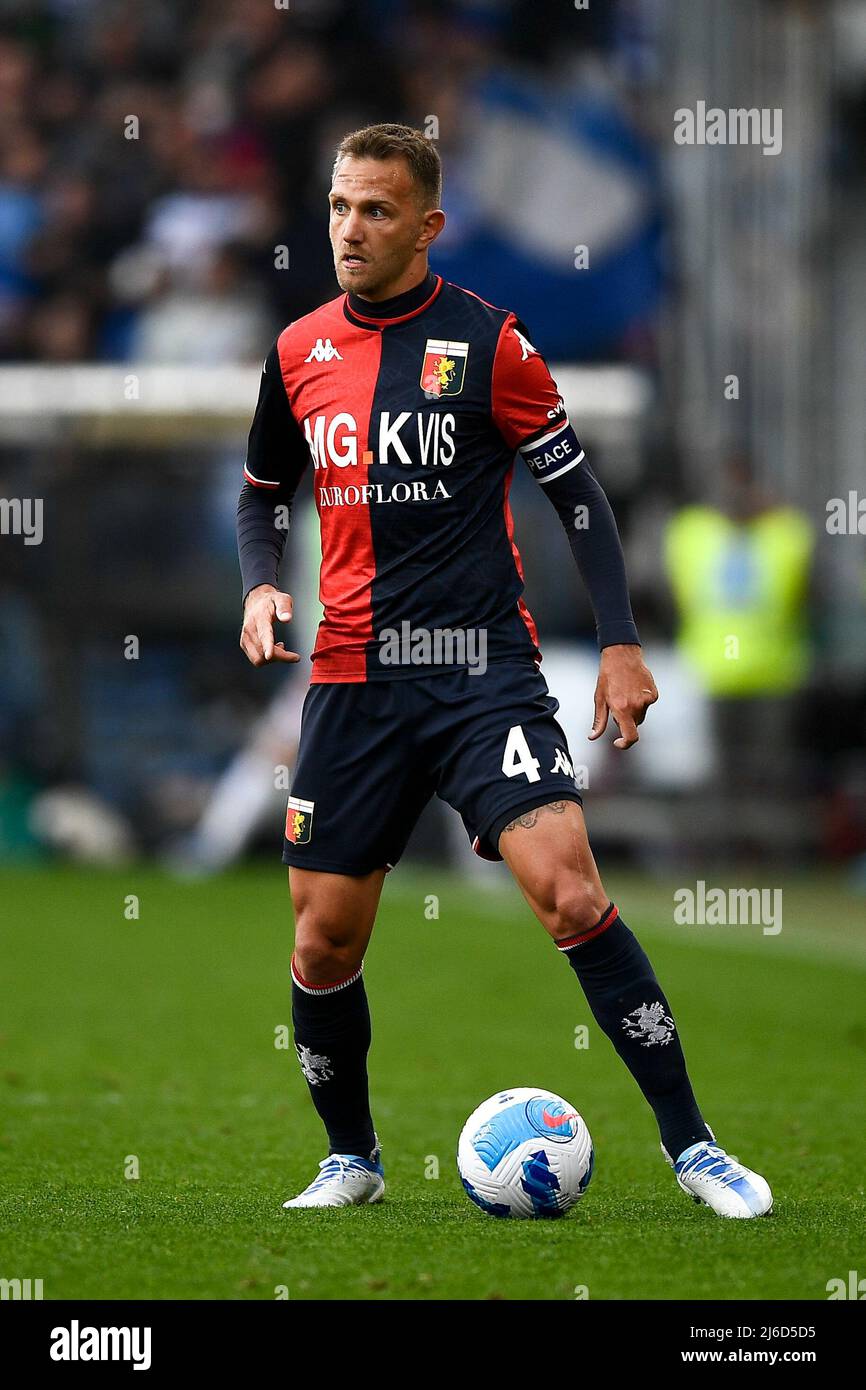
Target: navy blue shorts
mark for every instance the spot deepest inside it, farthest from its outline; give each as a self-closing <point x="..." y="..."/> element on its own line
<point x="372" y="755"/>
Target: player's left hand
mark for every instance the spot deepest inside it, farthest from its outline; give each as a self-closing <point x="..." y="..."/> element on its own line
<point x="625" y="691"/>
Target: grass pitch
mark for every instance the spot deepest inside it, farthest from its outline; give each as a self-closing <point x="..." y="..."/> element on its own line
<point x="148" y="1047"/>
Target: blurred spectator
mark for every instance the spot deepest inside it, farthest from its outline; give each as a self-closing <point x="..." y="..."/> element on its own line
<point x="224" y="319"/>
<point x="740" y="579"/>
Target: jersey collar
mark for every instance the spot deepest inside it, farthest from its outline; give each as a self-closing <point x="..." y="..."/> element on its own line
<point x="389" y="312"/>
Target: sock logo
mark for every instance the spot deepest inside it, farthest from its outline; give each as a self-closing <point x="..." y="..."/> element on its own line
<point x="315" y="1067"/>
<point x="651" y="1024"/>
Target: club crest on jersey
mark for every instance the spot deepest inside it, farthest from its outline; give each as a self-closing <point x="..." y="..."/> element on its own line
<point x="299" y="821"/>
<point x="444" y="368"/>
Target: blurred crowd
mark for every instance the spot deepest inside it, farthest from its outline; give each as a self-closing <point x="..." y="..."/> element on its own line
<point x="153" y="158"/>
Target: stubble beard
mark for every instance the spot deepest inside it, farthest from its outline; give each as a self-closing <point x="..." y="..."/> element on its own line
<point x="372" y="279"/>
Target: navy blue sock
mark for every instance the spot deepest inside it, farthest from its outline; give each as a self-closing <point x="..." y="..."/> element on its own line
<point x="628" y="1004"/>
<point x="332" y="1039"/>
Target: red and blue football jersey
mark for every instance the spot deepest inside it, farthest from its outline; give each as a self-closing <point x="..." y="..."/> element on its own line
<point x="407" y="417"/>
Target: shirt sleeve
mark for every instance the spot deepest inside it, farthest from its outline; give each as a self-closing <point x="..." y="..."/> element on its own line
<point x="525" y="401"/>
<point x="277" y="452"/>
<point x="588" y="520"/>
<point x="277" y="455"/>
<point x="530" y="415"/>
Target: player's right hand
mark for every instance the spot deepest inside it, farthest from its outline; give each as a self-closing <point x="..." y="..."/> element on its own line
<point x="265" y="605"/>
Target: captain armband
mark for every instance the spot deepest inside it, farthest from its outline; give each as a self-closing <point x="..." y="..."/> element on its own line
<point x="553" y="453"/>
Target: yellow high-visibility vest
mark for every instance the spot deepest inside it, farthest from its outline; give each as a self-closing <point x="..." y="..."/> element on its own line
<point x="740" y="590"/>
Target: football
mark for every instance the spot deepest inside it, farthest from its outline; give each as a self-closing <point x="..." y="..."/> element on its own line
<point x="525" y="1153"/>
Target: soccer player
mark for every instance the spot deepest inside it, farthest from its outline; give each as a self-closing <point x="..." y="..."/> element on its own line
<point x="408" y="398"/>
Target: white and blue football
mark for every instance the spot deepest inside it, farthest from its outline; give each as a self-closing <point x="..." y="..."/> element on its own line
<point x="525" y="1153"/>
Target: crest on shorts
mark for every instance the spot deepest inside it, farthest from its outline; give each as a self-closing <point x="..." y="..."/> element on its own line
<point x="444" y="368"/>
<point x="299" y="821"/>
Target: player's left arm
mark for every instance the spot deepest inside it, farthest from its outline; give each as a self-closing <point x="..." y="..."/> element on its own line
<point x="529" y="413"/>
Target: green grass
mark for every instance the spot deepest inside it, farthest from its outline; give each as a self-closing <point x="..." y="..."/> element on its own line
<point x="155" y="1039"/>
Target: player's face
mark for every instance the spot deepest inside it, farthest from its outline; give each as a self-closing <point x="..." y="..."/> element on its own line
<point x="379" y="231"/>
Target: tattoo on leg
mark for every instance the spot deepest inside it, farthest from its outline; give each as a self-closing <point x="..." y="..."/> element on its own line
<point x="529" y="818"/>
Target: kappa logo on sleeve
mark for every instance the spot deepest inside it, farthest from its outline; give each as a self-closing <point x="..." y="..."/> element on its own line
<point x="299" y="821"/>
<point x="526" y="348"/>
<point x="444" y="368"/>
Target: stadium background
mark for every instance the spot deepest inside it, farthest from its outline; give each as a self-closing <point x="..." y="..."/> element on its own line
<point x="163" y="172"/>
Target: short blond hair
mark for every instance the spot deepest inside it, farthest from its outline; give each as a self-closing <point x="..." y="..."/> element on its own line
<point x="390" y="141"/>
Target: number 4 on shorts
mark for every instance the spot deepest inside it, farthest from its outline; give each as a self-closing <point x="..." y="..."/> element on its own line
<point x="517" y="757"/>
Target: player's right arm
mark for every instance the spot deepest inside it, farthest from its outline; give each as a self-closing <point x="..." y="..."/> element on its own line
<point x="277" y="455"/>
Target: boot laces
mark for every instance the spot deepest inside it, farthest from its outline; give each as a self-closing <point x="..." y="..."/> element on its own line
<point x="713" y="1162"/>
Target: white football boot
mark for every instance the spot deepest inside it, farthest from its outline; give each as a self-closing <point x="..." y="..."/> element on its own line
<point x="345" y="1180"/>
<point x="716" y="1178"/>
